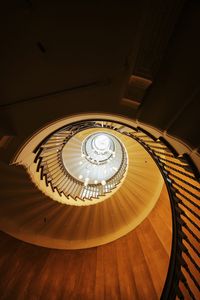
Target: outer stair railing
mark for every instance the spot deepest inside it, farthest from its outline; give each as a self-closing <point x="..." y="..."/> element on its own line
<point x="182" y="180"/>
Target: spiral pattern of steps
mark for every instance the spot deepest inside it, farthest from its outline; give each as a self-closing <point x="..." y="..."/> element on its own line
<point x="51" y="157"/>
<point x="70" y="226"/>
<point x="118" y="270"/>
<point x="52" y="177"/>
<point x="32" y="216"/>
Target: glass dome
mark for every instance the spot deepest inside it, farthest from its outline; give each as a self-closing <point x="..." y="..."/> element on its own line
<point x="99" y="159"/>
<point x="101" y="143"/>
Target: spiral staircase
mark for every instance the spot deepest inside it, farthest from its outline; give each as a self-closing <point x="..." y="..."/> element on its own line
<point x="99" y="150"/>
<point x="43" y="204"/>
<point x="116" y="197"/>
<point x="81" y="164"/>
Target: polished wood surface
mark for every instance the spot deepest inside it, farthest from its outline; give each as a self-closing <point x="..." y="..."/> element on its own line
<point x="132" y="267"/>
<point x="29" y="215"/>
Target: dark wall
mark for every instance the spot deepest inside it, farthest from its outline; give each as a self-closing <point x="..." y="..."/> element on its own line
<point x="172" y="102"/>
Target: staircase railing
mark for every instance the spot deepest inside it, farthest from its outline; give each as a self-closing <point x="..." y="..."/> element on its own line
<point x="182" y="181"/>
<point x="51" y="167"/>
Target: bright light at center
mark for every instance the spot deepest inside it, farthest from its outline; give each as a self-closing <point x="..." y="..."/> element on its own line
<point x="102" y="142"/>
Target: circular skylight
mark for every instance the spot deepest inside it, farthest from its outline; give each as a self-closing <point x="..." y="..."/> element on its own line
<point x="102" y="142"/>
<point x="97" y="159"/>
<point x="98" y="148"/>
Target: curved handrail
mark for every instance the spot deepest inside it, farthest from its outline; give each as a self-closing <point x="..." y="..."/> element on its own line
<point x="177" y="263"/>
<point x="171" y="277"/>
<point x="183" y="200"/>
<point x="69" y="132"/>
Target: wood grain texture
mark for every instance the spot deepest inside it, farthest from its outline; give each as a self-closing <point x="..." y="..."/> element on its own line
<point x="132" y="267"/>
<point x="29" y="215"/>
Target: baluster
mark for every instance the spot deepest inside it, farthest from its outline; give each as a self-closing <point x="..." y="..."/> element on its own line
<point x="184" y="281"/>
<point x="180" y="172"/>
<point x="186" y="251"/>
<point x="185" y="237"/>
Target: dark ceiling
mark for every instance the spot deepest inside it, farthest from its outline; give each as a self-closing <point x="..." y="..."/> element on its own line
<point x="47" y="46"/>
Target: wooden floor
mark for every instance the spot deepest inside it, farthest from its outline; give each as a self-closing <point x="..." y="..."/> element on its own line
<point x="132" y="267"/>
